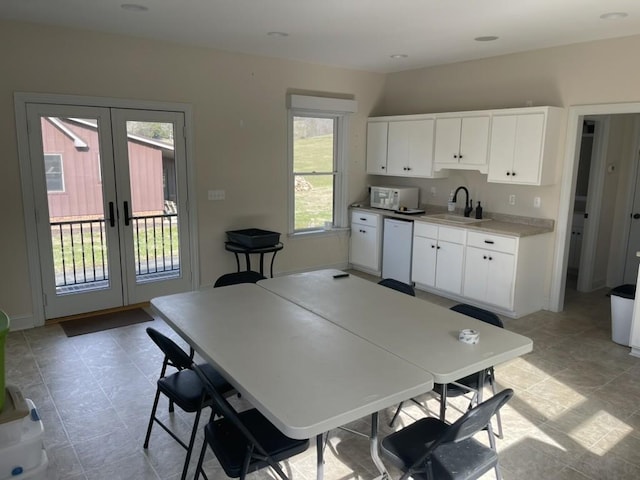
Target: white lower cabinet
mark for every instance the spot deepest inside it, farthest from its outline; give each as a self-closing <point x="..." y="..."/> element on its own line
<point x="438" y="256"/>
<point x="489" y="276"/>
<point x="366" y="235"/>
<point x="507" y="273"/>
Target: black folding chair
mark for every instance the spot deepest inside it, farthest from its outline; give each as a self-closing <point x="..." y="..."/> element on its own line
<point x="246" y="441"/>
<point x="183" y="388"/>
<point x="434" y="450"/>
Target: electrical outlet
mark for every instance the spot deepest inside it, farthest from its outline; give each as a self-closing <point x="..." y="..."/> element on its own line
<point x="512" y="199"/>
<point x="433" y="191"/>
<point x="536" y="202"/>
<point x="216" y="194"/>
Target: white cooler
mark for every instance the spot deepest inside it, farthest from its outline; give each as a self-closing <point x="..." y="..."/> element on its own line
<point x="22" y="452"/>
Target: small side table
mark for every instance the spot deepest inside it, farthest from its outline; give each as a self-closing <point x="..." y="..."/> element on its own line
<point x="240" y="249"/>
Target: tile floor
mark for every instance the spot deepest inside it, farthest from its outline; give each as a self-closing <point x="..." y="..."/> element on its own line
<point x="575" y="415"/>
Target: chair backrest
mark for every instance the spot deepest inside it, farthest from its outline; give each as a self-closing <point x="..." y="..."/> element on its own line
<point x="478" y="313"/>
<point x="248" y="276"/>
<point x="397" y="285"/>
<point x="475" y="419"/>
<point x="224" y="409"/>
<point x="175" y="355"/>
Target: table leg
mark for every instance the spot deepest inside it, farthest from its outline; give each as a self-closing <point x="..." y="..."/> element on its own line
<point x="248" y="260"/>
<point x="375" y="456"/>
<point x="443" y="403"/>
<point x="320" y="455"/>
<point x="273" y="257"/>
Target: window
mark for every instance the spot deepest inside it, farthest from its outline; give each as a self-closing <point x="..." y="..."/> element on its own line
<point x="53" y="172"/>
<point x="317" y="137"/>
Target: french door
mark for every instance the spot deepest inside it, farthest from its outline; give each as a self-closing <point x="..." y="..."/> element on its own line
<point x="111" y="210"/>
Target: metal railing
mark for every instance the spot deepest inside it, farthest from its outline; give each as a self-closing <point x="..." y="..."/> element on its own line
<point x="80" y="254"/>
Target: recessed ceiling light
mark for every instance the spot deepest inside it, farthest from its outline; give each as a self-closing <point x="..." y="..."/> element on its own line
<point x="277" y="34"/>
<point x="133" y="7"/>
<point x="613" y="15"/>
<point x="486" y="38"/>
<point x="399" y="55"/>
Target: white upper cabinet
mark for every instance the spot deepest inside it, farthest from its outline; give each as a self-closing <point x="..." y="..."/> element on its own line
<point x="410" y="148"/>
<point x="377" y="147"/>
<point x="401" y="146"/>
<point x="461" y="142"/>
<point x="523" y="146"/>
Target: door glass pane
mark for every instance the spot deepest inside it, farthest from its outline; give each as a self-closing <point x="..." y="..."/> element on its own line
<point x="314" y="168"/>
<point x="153" y="210"/>
<point x="71" y="148"/>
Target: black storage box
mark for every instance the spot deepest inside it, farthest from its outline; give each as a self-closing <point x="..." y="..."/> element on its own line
<point x="253" y="237"/>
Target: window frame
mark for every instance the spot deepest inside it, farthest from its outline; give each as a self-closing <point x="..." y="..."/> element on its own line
<point x="62" y="182"/>
<point x="321" y="107"/>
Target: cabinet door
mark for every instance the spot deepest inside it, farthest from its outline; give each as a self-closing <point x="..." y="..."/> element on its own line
<point x="516" y="148"/>
<point x="447" y="140"/>
<point x="449" y="266"/>
<point x="476" y="271"/>
<point x="527" y="155"/>
<point x="364" y="249"/>
<point x="500" y="279"/>
<point x="410" y="148"/>
<point x="502" y="147"/>
<point x="377" y="148"/>
<point x="423" y="261"/>
<point x="474" y="140"/>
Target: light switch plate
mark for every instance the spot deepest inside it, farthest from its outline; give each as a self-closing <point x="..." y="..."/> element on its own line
<point x="216" y="194"/>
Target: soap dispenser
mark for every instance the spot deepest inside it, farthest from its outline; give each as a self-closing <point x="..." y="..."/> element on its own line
<point x="451" y="205"/>
<point x="479" y="211"/>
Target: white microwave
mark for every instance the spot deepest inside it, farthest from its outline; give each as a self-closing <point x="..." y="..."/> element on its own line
<point x="394" y="198"/>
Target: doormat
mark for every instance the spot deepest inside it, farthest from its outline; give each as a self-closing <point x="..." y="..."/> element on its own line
<point x="106" y="321"/>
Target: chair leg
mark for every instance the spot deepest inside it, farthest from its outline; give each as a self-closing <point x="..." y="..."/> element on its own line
<point x="492" y="382"/>
<point x="192" y="440"/>
<point x="200" y="460"/>
<point x="395" y="415"/>
<point x="151" y="418"/>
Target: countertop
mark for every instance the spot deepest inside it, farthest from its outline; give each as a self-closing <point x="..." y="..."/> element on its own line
<point x="513" y="225"/>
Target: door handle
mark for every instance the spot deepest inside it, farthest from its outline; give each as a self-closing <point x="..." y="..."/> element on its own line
<point x="112" y="217"/>
<point x="126" y="214"/>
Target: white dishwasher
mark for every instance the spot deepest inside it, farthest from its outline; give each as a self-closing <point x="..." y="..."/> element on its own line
<point x="397" y="245"/>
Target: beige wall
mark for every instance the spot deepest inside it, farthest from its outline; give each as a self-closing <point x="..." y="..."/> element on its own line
<point x="247" y="161"/>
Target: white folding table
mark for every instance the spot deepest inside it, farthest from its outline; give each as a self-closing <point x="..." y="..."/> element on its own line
<point x="421" y="332"/>
<point x="305" y="374"/>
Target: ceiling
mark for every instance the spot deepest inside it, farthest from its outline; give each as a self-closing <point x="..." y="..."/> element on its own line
<point x="356" y="34"/>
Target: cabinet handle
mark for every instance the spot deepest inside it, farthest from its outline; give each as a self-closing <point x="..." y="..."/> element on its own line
<point x="363" y="219"/>
<point x="433" y="246"/>
<point x="508" y="174"/>
<point x="513" y="174"/>
<point x="460" y="156"/>
<point x="438" y="247"/>
<point x="490" y="242"/>
<point x="455" y="155"/>
<point x="490" y="258"/>
<point x="382" y="167"/>
<point x="484" y="257"/>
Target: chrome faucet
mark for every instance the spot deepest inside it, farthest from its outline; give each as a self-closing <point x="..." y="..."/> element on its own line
<point x="467" y="203"/>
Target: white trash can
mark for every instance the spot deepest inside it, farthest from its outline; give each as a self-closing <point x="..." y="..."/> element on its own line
<point x="622" y="298"/>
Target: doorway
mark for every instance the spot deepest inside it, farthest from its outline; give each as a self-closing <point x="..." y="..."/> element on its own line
<point x="109" y="191"/>
<point x="618" y="201"/>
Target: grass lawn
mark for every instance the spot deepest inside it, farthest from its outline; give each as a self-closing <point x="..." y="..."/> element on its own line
<point x="314" y="206"/>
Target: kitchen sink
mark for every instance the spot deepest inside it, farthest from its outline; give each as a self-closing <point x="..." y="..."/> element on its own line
<point x="447" y="217"/>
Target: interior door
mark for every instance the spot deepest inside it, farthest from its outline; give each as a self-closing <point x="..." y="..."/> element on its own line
<point x="110" y="190"/>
